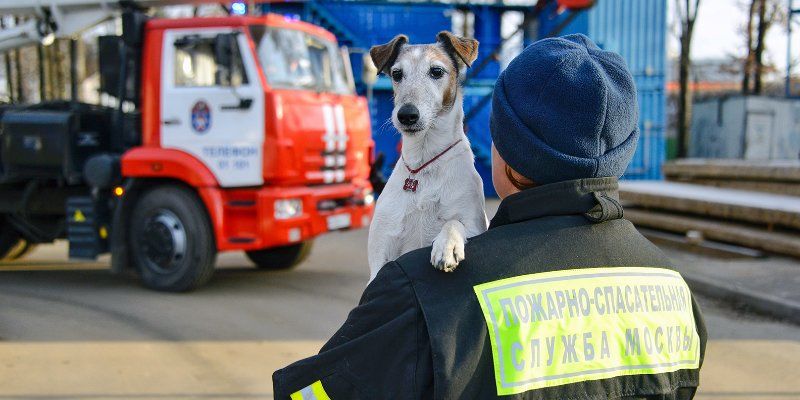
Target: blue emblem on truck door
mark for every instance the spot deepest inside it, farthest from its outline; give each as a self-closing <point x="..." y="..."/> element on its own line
<point x="201" y="116"/>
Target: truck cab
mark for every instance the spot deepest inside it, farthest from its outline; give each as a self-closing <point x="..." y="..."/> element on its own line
<point x="236" y="133"/>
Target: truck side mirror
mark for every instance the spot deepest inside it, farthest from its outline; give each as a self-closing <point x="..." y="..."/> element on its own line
<point x="224" y="47"/>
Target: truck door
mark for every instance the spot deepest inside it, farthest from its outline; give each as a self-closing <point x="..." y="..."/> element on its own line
<point x="214" y="116"/>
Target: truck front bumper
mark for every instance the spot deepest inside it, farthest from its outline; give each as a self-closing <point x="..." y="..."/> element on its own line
<point x="250" y="220"/>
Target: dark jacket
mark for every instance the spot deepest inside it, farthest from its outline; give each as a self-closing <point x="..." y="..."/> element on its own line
<point x="421" y="333"/>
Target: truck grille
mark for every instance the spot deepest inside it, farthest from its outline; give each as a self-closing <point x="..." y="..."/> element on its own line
<point x="332" y="204"/>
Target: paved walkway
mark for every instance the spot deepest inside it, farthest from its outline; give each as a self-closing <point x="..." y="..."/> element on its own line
<point x="768" y="285"/>
<point x="74" y="331"/>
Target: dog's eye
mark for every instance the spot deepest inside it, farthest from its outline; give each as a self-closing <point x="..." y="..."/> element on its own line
<point x="397" y="75"/>
<point x="436" y="72"/>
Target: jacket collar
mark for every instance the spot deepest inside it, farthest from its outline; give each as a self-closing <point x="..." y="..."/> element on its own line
<point x="596" y="199"/>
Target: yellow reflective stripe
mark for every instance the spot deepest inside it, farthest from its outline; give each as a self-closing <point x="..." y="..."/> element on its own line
<point x="314" y="391"/>
<point x="319" y="391"/>
<point x="562" y="327"/>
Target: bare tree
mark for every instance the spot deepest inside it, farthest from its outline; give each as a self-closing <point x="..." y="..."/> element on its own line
<point x="748" y="58"/>
<point x="761" y="16"/>
<point x="686" y="11"/>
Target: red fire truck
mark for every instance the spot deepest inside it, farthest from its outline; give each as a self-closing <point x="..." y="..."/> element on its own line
<point x="229" y="133"/>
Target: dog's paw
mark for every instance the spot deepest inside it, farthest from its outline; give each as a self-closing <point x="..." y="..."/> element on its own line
<point x="448" y="251"/>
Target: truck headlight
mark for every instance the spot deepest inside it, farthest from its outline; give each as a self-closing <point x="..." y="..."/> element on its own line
<point x="369" y="197"/>
<point x="364" y="197"/>
<point x="288" y="208"/>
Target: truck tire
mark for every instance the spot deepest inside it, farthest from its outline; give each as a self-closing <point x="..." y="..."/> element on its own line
<point x="284" y="257"/>
<point x="171" y="240"/>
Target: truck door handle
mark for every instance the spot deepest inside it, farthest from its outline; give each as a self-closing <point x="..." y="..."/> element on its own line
<point x="172" y="121"/>
<point x="244" y="104"/>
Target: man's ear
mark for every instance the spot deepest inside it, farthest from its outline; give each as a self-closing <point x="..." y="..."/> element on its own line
<point x="384" y="55"/>
<point x="465" y="49"/>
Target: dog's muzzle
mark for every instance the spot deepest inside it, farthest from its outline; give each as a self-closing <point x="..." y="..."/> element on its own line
<point x="408" y="114"/>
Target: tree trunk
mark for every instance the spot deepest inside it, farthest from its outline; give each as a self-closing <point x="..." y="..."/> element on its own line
<point x="758" y="55"/>
<point x="748" y="60"/>
<point x="42" y="81"/>
<point x="52" y="71"/>
<point x="60" y="77"/>
<point x="18" y="67"/>
<point x="9" y="77"/>
<point x="20" y="85"/>
<point x="73" y="69"/>
<point x="48" y="71"/>
<point x="684" y="96"/>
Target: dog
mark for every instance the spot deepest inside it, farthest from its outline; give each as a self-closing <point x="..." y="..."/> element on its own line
<point x="434" y="195"/>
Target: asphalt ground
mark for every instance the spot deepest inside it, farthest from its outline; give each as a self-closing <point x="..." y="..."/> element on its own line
<point x="74" y="330"/>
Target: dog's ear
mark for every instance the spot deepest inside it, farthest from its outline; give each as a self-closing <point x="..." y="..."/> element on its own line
<point x="464" y="48"/>
<point x="384" y="55"/>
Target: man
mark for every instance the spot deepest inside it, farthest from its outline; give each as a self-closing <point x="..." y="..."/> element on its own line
<point x="561" y="298"/>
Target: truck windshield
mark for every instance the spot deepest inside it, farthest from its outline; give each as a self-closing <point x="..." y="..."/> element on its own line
<point x="294" y="59"/>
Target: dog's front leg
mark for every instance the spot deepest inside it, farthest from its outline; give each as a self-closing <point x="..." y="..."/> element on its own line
<point x="448" y="247"/>
<point x="380" y="250"/>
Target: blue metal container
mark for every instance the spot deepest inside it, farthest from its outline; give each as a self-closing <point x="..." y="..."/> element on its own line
<point x="487" y="32"/>
<point x="637" y="30"/>
<point x="378" y="22"/>
<point x="477" y="131"/>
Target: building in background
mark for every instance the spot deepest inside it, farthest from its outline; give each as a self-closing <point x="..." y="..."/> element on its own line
<point x="709" y="78"/>
<point x="726" y="124"/>
<point x="746" y="127"/>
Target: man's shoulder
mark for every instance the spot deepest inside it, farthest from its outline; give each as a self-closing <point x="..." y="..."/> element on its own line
<point x="535" y="246"/>
<point x="479" y="251"/>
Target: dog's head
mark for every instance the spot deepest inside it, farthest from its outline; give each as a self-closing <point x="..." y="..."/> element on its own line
<point x="425" y="77"/>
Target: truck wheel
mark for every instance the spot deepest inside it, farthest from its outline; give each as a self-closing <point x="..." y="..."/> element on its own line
<point x="284" y="257"/>
<point x="171" y="240"/>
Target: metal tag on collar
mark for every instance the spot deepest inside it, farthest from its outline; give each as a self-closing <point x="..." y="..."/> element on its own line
<point x="410" y="185"/>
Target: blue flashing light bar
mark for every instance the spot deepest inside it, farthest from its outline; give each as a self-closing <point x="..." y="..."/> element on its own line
<point x="238" y="8"/>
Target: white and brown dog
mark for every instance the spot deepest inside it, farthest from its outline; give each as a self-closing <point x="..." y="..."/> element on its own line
<point x="434" y="195"/>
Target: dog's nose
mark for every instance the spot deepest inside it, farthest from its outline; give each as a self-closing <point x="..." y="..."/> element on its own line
<point x="408" y="114"/>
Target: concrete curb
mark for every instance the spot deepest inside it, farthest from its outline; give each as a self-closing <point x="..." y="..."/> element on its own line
<point x="757" y="301"/>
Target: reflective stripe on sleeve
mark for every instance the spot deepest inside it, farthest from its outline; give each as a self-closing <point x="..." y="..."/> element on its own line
<point x="314" y="391"/>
